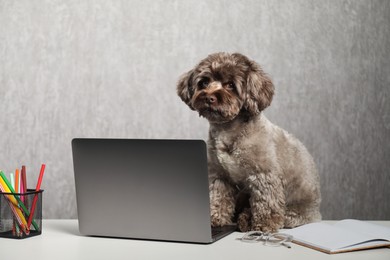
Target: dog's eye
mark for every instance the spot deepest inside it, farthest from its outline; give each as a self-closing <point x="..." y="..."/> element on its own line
<point x="203" y="83"/>
<point x="230" y="85"/>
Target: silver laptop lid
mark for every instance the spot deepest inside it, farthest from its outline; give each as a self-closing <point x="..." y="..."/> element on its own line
<point x="145" y="189"/>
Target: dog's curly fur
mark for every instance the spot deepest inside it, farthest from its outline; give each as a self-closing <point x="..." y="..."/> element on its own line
<point x="260" y="175"/>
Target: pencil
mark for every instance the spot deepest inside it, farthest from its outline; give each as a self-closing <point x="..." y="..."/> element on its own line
<point x="24" y="183"/>
<point x="12" y="180"/>
<point x="22" y="188"/>
<point x="8" y="188"/>
<point x="34" y="203"/>
<point x="11" y="177"/>
<point x="15" y="209"/>
<point x="17" y="180"/>
<point x="17" y="191"/>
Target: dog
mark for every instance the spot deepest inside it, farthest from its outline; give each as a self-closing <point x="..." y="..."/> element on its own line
<point x="260" y="176"/>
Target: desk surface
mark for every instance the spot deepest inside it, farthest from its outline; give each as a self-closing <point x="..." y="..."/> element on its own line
<point x="60" y="239"/>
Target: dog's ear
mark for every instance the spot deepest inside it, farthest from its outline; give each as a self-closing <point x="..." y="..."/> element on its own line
<point x="185" y="90"/>
<point x="260" y="90"/>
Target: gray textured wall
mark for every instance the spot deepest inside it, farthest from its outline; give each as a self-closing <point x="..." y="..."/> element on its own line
<point x="108" y="69"/>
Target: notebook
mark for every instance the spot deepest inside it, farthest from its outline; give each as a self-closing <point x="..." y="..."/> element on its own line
<point x="144" y="189"/>
<point x="342" y="236"/>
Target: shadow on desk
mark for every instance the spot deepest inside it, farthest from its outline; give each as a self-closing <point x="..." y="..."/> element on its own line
<point x="64" y="226"/>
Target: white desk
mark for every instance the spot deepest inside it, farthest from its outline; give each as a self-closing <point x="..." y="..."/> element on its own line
<point x="61" y="240"/>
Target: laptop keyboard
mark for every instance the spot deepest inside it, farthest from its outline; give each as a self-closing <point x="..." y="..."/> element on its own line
<point x="216" y="231"/>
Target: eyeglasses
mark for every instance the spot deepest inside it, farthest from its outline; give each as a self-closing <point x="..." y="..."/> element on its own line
<point x="269" y="239"/>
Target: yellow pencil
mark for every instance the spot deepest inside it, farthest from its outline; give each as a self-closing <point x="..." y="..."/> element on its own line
<point x="13" y="205"/>
<point x="5" y="189"/>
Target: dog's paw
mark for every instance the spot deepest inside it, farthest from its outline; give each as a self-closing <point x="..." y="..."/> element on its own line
<point x="244" y="220"/>
<point x="219" y="222"/>
<point x="221" y="212"/>
<point x="271" y="225"/>
<point x="264" y="228"/>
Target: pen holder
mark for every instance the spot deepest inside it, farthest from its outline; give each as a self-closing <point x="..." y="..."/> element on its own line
<point x="15" y="214"/>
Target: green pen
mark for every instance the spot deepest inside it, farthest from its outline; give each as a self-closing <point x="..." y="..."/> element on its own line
<point x="21" y="204"/>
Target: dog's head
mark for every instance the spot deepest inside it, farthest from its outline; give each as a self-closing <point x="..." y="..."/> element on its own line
<point x="224" y="85"/>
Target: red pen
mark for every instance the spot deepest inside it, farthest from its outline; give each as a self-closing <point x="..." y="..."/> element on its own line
<point x="34" y="203"/>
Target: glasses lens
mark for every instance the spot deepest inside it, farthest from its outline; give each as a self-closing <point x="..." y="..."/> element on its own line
<point x="278" y="239"/>
<point x="252" y="236"/>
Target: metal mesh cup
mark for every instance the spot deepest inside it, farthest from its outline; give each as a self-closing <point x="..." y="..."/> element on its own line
<point x="15" y="214"/>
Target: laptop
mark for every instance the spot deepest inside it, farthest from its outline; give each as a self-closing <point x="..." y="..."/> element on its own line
<point x="144" y="189"/>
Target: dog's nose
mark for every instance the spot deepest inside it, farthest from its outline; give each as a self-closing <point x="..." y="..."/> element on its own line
<point x="211" y="99"/>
